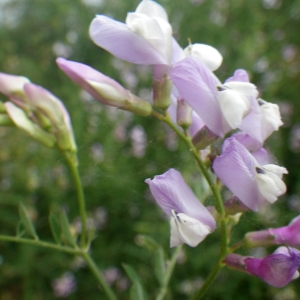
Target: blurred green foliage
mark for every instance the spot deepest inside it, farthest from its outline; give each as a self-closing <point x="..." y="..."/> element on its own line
<point x="260" y="36"/>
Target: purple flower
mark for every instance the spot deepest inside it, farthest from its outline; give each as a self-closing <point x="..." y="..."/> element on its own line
<point x="103" y="88"/>
<point x="276" y="269"/>
<point x="146" y="38"/>
<point x="289" y="235"/>
<point x="221" y="107"/>
<point x="252" y="183"/>
<point x="191" y="222"/>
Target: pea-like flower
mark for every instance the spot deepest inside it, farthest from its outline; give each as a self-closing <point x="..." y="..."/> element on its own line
<point x="252" y="183"/>
<point x="190" y="222"/>
<point x="222" y="107"/>
<point x="276" y="269"/>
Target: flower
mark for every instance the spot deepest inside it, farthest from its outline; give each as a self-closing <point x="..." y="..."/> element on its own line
<point x="251" y="183"/>
<point x="221" y="107"/>
<point x="276" y="269"/>
<point x="190" y="222"/>
<point x="146" y="38"/>
<point x="38" y="112"/>
<point x="103" y="88"/>
<point x="288" y="235"/>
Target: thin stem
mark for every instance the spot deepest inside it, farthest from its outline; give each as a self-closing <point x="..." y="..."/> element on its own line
<point x="42" y="244"/>
<point x="171" y="266"/>
<point x="72" y="163"/>
<point x="219" y="205"/>
<point x="95" y="270"/>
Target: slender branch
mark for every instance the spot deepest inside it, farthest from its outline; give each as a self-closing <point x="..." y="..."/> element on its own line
<point x="42" y="244"/>
<point x="72" y="163"/>
<point x="171" y="266"/>
<point x="219" y="205"/>
<point x="97" y="273"/>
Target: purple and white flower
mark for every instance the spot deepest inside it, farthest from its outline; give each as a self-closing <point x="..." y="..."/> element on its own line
<point x="222" y="107"/>
<point x="252" y="183"/>
<point x="103" y="88"/>
<point x="191" y="222"/>
<point x="276" y="269"/>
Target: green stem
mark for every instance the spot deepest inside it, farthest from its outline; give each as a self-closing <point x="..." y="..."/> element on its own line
<point x="219" y="205"/>
<point x="72" y="163"/>
<point x="110" y="294"/>
<point x="42" y="244"/>
<point x="171" y="266"/>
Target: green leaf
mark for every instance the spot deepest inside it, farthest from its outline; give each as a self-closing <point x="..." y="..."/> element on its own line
<point x="20" y="229"/>
<point x="159" y="265"/>
<point x="65" y="227"/>
<point x="55" y="228"/>
<point x="26" y="221"/>
<point x="137" y="291"/>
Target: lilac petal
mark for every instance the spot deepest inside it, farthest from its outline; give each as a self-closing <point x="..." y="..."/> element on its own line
<point x="289" y="235"/>
<point x="172" y="193"/>
<point x="197" y="85"/>
<point x="239" y="75"/>
<point x="277" y="269"/>
<point x="236" y="169"/>
<point x="122" y="42"/>
<point x="84" y="75"/>
<point x="178" y="53"/>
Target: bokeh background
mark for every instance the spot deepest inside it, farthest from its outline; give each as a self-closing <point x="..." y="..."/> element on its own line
<point x="118" y="151"/>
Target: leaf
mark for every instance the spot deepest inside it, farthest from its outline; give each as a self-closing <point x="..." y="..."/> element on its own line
<point x="26" y="221"/>
<point x="55" y="228"/>
<point x="159" y="265"/>
<point x="65" y="227"/>
<point x="20" y="229"/>
<point x="137" y="291"/>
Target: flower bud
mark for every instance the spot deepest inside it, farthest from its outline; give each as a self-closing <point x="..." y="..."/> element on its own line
<point x="203" y="138"/>
<point x="184" y="114"/>
<point x="162" y="92"/>
<point x="21" y="120"/>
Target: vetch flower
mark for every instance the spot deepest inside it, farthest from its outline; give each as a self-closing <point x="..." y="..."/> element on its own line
<point x="103" y="88"/>
<point x="288" y="235"/>
<point x="276" y="269"/>
<point x="146" y="38"/>
<point x="251" y="183"/>
<point x="191" y="222"/>
<point x="222" y="107"/>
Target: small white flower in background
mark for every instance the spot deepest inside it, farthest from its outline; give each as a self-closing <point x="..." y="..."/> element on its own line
<point x="64" y="285"/>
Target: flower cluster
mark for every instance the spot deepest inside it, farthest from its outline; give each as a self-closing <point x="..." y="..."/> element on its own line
<point x="204" y="109"/>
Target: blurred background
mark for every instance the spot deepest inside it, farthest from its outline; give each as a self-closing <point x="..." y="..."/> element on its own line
<point x="118" y="151"/>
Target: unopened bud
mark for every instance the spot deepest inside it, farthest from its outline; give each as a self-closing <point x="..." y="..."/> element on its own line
<point x="162" y="92"/>
<point x="21" y="120"/>
<point x="234" y="205"/>
<point x="259" y="238"/>
<point x="203" y="138"/>
<point x="184" y="114"/>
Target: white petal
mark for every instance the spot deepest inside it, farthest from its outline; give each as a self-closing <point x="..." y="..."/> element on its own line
<point x="234" y="107"/>
<point x="275" y="169"/>
<point x="156" y="31"/>
<point x="152" y="9"/>
<point x="271" y="119"/>
<point x="207" y="54"/>
<point x="269" y="183"/>
<point x="245" y="88"/>
<point x="296" y="275"/>
<point x="185" y="229"/>
<point x="107" y="91"/>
